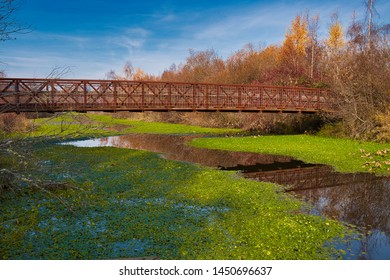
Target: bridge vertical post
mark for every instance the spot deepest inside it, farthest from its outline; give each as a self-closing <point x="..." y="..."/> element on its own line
<point x="318" y="99"/>
<point x="52" y="94"/>
<point x="114" y="84"/>
<point x="261" y="92"/>
<point x="217" y="103"/>
<point x="169" y="96"/>
<point x="85" y="93"/>
<point x="143" y="96"/>
<point x="207" y="97"/>
<point x="193" y="97"/>
<point x="17" y="96"/>
<point x="239" y="91"/>
<point x="281" y="98"/>
<point x="300" y="100"/>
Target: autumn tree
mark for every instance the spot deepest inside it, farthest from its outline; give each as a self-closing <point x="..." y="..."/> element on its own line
<point x="335" y="41"/>
<point x="269" y="64"/>
<point x="314" y="49"/>
<point x="293" y="50"/>
<point x="140" y="75"/>
<point x="131" y="74"/>
<point x="169" y="75"/>
<point x="250" y="65"/>
<point x="334" y="45"/>
<point x="364" y="79"/>
<point x="243" y="66"/>
<point x="200" y="67"/>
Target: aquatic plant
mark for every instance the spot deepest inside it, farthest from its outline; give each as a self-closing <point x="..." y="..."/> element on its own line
<point x="131" y="204"/>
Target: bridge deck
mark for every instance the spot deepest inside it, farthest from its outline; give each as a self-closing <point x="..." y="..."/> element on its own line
<point x="50" y="95"/>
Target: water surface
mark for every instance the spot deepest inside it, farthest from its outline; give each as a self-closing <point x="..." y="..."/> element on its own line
<point x="359" y="199"/>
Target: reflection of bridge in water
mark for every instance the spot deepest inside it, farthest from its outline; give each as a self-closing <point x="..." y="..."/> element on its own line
<point x="310" y="177"/>
<point x="51" y="95"/>
<point x="358" y="199"/>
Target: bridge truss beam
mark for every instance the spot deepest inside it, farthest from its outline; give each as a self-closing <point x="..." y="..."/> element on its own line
<point x="51" y="95"/>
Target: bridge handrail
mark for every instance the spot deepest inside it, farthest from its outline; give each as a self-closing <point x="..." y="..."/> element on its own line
<point x="160" y="82"/>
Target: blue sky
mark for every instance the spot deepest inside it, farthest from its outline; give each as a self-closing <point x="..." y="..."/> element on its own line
<point x="92" y="37"/>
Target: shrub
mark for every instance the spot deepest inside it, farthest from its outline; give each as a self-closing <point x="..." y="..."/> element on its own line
<point x="382" y="129"/>
<point x="12" y="122"/>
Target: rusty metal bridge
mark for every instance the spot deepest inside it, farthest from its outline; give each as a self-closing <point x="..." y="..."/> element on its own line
<point x="54" y="95"/>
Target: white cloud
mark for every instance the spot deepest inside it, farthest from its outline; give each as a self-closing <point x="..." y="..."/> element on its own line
<point x="36" y="64"/>
<point x="164" y="18"/>
<point x="138" y="32"/>
<point x="130" y="39"/>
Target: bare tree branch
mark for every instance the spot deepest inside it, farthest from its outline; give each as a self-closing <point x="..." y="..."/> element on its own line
<point x="59" y="72"/>
<point x="8" y="24"/>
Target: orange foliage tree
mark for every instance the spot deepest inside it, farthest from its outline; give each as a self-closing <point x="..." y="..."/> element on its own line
<point x="200" y="67"/>
<point x="293" y="50"/>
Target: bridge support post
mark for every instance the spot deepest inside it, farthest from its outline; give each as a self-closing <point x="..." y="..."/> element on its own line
<point x="281" y="94"/>
<point x="193" y="97"/>
<point x="318" y="105"/>
<point x="217" y="101"/>
<point x="169" y="96"/>
<point x="114" y="85"/>
<point x="239" y="89"/>
<point x="207" y="97"/>
<point x="85" y="93"/>
<point x="52" y="95"/>
<point x="17" y="96"/>
<point x="300" y="101"/>
<point x="143" y="97"/>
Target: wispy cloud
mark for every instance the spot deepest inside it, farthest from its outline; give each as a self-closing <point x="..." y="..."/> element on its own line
<point x="130" y="38"/>
<point x="165" y="18"/>
<point x="63" y="37"/>
<point x="138" y="32"/>
<point x="34" y="63"/>
<point x="236" y="24"/>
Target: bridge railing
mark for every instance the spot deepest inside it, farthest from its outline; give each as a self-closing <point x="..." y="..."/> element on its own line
<point x="114" y="95"/>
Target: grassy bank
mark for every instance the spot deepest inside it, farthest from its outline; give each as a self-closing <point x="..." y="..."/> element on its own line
<point x="98" y="125"/>
<point x="343" y="154"/>
<point x="122" y="203"/>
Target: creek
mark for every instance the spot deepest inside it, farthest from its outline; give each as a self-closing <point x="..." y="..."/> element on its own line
<point x="359" y="199"/>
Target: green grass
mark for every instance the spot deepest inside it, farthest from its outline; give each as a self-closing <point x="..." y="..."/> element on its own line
<point x="343" y="154"/>
<point x="159" y="127"/>
<point x="98" y="125"/>
<point x="131" y="204"/>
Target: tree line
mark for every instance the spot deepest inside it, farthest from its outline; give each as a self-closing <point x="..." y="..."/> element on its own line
<point x="353" y="61"/>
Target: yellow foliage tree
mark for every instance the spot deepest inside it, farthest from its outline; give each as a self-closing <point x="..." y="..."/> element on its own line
<point x="293" y="50"/>
<point x="334" y="46"/>
<point x="139" y="75"/>
<point x="299" y="35"/>
<point x="335" y="42"/>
